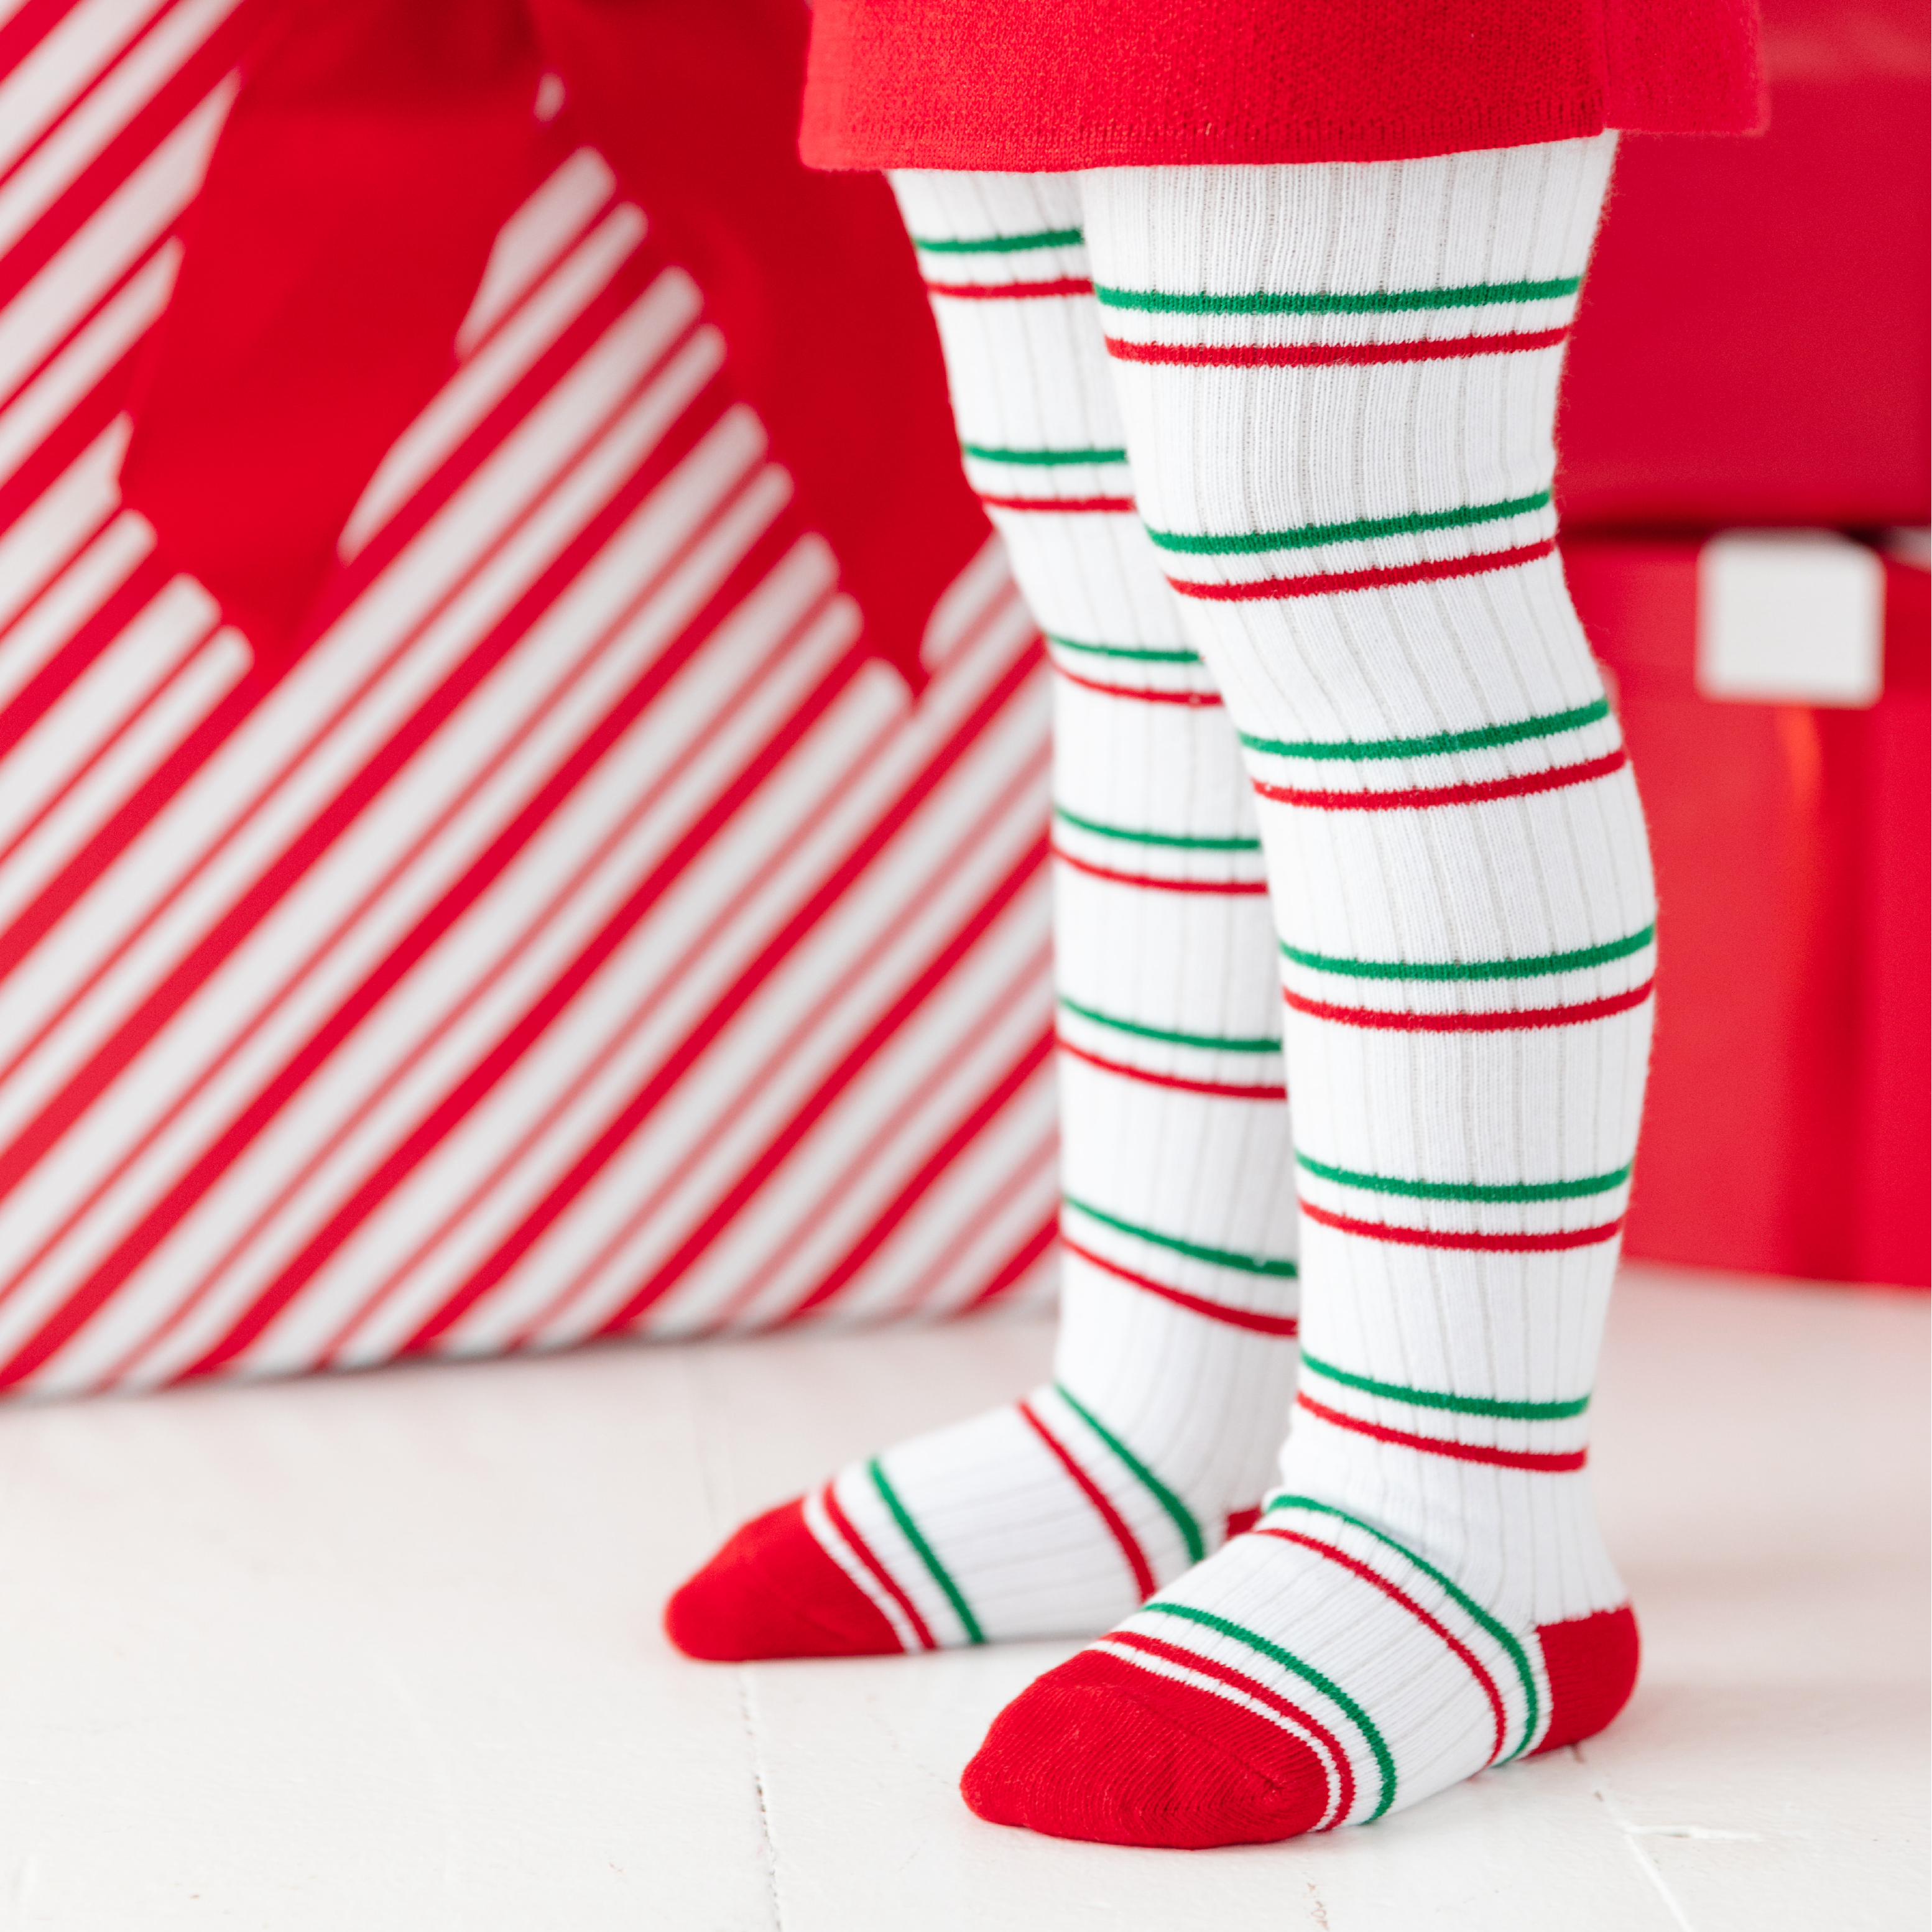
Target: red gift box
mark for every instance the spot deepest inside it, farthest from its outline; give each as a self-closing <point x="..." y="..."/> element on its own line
<point x="1751" y="350"/>
<point x="1788" y="1125"/>
<point x="1751" y="346"/>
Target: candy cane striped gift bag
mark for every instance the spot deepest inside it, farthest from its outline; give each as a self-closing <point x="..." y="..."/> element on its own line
<point x="585" y="935"/>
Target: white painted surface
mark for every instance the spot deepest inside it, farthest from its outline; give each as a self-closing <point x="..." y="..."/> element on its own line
<point x="381" y="1651"/>
<point x="1790" y="617"/>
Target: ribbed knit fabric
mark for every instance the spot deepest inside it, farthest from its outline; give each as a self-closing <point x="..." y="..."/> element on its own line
<point x="1338" y="385"/>
<point x="1174" y="1371"/>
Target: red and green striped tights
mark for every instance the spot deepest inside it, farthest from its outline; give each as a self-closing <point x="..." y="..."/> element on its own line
<point x="1337" y="787"/>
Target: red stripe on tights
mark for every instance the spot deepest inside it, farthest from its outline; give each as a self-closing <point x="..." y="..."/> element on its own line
<point x="1136" y="1557"/>
<point x="1325" y="354"/>
<point x="1458" y="1452"/>
<point x="1330" y="583"/>
<point x="1488" y="1244"/>
<point x="1077" y="505"/>
<point x="1194" y="1304"/>
<point x="1534" y="1019"/>
<point x="1214" y="1089"/>
<point x="1527" y="784"/>
<point x="881" y="1575"/>
<point x="1061" y="285"/>
<point x="1139" y="693"/>
<point x="1422" y="1616"/>
<point x="1236" y="887"/>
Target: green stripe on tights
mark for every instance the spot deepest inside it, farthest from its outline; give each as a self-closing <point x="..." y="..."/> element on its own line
<point x="1456" y="1405"/>
<point x="1182" y="1516"/>
<point x="999" y="244"/>
<point x="1375" y="301"/>
<point x="1209" y="1042"/>
<point x="1094" y="825"/>
<point x="1226" y="1258"/>
<point x="1529" y="968"/>
<point x="1435" y="744"/>
<point x="1146" y="653"/>
<point x="1510" y="1191"/>
<point x="924" y="1550"/>
<point x="1308" y="536"/>
<point x="1042" y="457"/>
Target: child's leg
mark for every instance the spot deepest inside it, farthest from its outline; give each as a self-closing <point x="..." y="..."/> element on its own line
<point x="1174" y="1372"/>
<point x="1338" y="384"/>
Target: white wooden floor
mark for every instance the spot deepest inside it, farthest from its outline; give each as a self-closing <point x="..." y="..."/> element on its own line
<point x="382" y="1652"/>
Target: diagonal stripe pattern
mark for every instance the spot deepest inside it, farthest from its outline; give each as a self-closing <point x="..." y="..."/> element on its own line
<point x="436" y="992"/>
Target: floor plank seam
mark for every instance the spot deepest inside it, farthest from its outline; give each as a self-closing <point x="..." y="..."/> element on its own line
<point x="765" y="1832"/>
<point x="1629" y="1834"/>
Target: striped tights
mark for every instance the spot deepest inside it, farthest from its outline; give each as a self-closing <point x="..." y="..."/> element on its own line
<point x="1272" y="452"/>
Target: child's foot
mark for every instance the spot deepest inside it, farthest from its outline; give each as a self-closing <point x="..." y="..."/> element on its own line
<point x="1316" y="1672"/>
<point x="1057" y="1516"/>
<point x="1037" y="1519"/>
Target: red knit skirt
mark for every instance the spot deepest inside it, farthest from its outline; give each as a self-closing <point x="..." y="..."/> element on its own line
<point x="1059" y="84"/>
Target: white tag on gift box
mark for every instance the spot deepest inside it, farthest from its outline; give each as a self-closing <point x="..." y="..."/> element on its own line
<point x="1789" y="617"/>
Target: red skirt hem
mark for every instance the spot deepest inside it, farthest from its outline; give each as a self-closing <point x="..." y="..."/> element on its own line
<point x="1026" y="85"/>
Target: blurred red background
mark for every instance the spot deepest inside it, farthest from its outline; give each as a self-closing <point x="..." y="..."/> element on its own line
<point x="1752" y="350"/>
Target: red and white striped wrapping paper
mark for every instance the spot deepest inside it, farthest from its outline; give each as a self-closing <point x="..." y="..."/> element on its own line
<point x="585" y="936"/>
